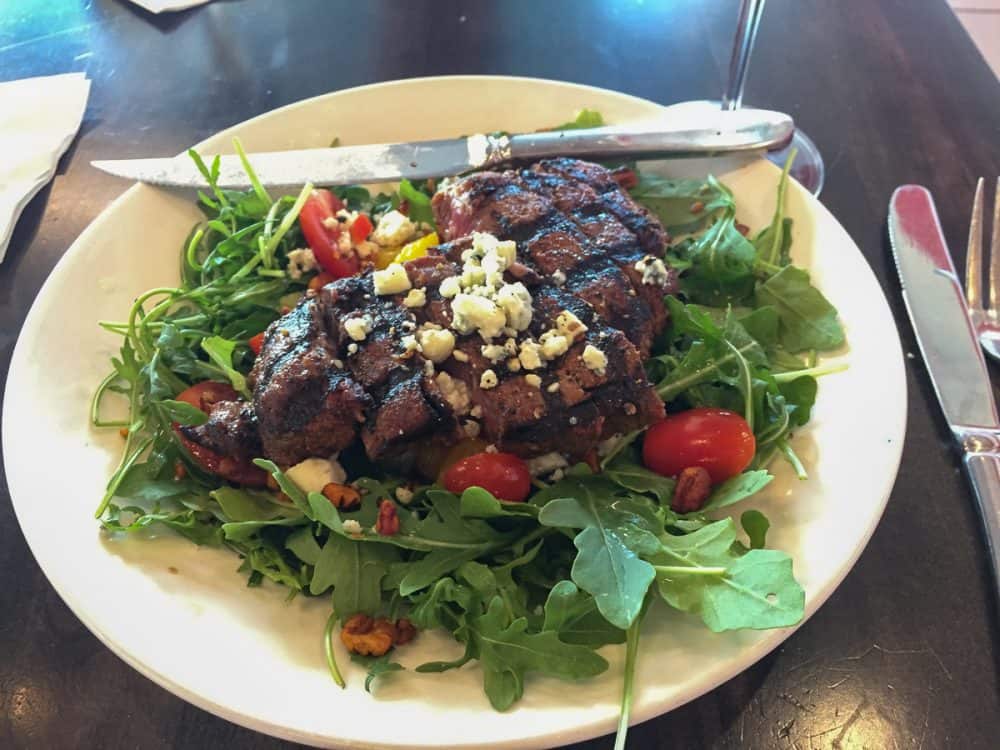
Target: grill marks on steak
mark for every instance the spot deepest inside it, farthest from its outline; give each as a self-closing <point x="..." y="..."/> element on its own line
<point x="316" y="390"/>
<point x="570" y="216"/>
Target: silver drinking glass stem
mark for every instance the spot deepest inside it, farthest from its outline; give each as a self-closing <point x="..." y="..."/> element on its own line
<point x="746" y="34"/>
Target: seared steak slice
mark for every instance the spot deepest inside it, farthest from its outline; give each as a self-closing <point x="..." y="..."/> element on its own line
<point x="346" y="363"/>
<point x="231" y="430"/>
<point x="306" y="402"/>
<point x="593" y="234"/>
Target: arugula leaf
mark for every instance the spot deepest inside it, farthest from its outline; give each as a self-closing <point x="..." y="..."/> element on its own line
<point x="355" y="570"/>
<point x="613" y="536"/>
<point x="220" y="351"/>
<point x="584" y="118"/>
<point x="199" y="527"/>
<point x="701" y="573"/>
<point x="573" y="615"/>
<point x="755" y="524"/>
<point x="302" y="543"/>
<point x="673" y="201"/>
<point x="248" y="505"/>
<point x="423" y="571"/>
<point x="737" y="488"/>
<point x="627" y="471"/>
<point x="800" y="396"/>
<point x="376" y="666"/>
<point x="431" y="607"/>
<point x="774" y="242"/>
<point x="479" y="503"/>
<point x="291" y="489"/>
<point x="808" y="320"/>
<point x="182" y="412"/>
<point x="507" y="651"/>
<point x="758" y="591"/>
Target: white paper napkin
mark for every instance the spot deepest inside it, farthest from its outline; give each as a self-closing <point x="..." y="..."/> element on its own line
<point x="159" y="6"/>
<point x="39" y="118"/>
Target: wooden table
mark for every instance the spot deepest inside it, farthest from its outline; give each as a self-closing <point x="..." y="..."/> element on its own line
<point x="905" y="653"/>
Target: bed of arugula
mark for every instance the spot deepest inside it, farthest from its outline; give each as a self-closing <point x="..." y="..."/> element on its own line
<point x="533" y="587"/>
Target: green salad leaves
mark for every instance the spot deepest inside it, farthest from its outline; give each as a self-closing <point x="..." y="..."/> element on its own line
<point x="532" y="587"/>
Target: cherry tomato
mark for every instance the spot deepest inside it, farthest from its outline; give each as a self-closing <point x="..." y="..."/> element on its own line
<point x="317" y="213"/>
<point x="719" y="441"/>
<point x="203" y="396"/>
<point x="503" y="474"/>
<point x="361" y="228"/>
<point x="256" y="343"/>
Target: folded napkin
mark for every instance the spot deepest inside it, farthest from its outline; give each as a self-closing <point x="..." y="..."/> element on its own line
<point x="159" y="6"/>
<point x="38" y="119"/>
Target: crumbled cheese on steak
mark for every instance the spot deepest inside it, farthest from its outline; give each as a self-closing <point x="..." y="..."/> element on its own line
<point x="455" y="392"/>
<point x="488" y="380"/>
<point x="416" y="298"/>
<point x="482" y="302"/>
<point x="595" y="359"/>
<point x="653" y="270"/>
<point x="391" y="280"/>
<point x="358" y="327"/>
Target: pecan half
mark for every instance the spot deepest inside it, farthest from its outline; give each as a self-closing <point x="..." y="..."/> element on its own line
<point x="694" y="485"/>
<point x="387" y="523"/>
<point x="341" y="496"/>
<point x="363" y="635"/>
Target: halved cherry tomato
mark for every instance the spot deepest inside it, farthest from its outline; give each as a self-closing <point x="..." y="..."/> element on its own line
<point x="203" y="396"/>
<point x="719" y="441"/>
<point x="361" y="228"/>
<point x="321" y="229"/>
<point x="256" y="343"/>
<point x="503" y="474"/>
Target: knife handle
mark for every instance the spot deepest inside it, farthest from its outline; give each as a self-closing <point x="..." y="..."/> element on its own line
<point x="984" y="475"/>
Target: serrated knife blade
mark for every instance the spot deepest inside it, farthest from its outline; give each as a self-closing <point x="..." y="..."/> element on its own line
<point x="936" y="305"/>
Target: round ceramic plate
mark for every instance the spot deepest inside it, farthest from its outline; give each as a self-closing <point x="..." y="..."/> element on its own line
<point x="183" y="616"/>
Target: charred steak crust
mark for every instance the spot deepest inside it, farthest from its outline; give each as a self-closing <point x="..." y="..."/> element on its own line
<point x="317" y="388"/>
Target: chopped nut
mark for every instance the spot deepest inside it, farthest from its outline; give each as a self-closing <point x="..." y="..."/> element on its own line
<point x="180" y="471"/>
<point x="697" y="207"/>
<point x="363" y="635"/>
<point x="405" y="632"/>
<point x="388" y="520"/>
<point x="123" y="431"/>
<point x="694" y="485"/>
<point x="341" y="496"/>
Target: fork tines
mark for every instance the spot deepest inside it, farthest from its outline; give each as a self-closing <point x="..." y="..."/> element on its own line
<point x="974" y="254"/>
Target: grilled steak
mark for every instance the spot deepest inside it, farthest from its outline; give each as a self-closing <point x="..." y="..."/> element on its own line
<point x="349" y="362"/>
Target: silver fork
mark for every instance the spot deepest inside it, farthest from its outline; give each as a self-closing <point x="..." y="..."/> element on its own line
<point x="985" y="319"/>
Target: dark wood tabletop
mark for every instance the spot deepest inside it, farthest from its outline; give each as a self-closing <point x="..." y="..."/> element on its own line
<point x="904" y="654"/>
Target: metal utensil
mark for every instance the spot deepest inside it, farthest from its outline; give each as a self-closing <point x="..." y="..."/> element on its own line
<point x="985" y="319"/>
<point x="947" y="338"/>
<point x="713" y="133"/>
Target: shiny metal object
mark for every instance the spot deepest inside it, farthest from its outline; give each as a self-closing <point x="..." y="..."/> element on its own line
<point x="751" y="11"/>
<point x="950" y="347"/>
<point x="714" y="133"/>
<point x="986" y="318"/>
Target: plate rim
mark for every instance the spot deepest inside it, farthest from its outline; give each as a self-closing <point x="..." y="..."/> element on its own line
<point x="598" y="727"/>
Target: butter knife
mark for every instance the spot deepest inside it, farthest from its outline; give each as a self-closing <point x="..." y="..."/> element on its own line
<point x="934" y="299"/>
<point x="709" y="133"/>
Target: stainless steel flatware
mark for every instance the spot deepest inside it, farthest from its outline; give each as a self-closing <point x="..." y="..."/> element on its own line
<point x="713" y="132"/>
<point x="986" y="318"/>
<point x="947" y="338"/>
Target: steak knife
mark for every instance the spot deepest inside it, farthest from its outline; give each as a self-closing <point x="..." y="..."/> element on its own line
<point x="714" y="132"/>
<point x="936" y="304"/>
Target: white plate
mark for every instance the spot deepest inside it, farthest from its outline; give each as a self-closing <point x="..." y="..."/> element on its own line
<point x="250" y="657"/>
